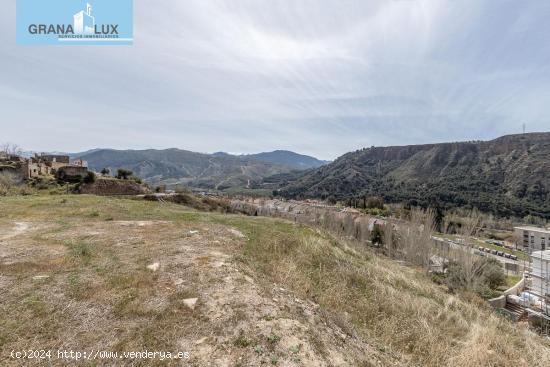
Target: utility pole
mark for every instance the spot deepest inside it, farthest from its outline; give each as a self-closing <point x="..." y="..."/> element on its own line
<point x="524" y="127"/>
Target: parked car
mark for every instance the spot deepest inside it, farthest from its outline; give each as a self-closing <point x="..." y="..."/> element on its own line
<point x="487" y="249"/>
<point x="514" y="257"/>
<point x="500" y="253"/>
<point x="494" y="252"/>
<point x="507" y="255"/>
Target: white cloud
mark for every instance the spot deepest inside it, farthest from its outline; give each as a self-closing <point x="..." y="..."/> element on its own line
<point x="320" y="77"/>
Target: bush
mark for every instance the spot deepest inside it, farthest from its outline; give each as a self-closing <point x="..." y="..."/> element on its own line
<point x="493" y="275"/>
<point x="136" y="179"/>
<point x="489" y="277"/>
<point x="374" y="203"/>
<point x="7" y="182"/>
<point x="377" y="235"/>
<point x="89" y="178"/>
<point x="123" y="174"/>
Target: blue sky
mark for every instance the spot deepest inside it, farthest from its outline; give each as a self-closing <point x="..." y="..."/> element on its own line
<point x="313" y="76"/>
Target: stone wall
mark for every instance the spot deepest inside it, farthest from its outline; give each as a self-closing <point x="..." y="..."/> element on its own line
<point x="500" y="302"/>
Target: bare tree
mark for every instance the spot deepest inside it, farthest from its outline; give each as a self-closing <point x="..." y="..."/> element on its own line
<point x="390" y="240"/>
<point x="415" y="238"/>
<point x="472" y="266"/>
<point x="10" y="149"/>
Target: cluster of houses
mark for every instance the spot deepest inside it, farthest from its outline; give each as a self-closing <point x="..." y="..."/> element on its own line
<point x="43" y="165"/>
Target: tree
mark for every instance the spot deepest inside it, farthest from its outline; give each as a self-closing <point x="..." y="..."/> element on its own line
<point x="10" y="149"/>
<point x="493" y="274"/>
<point x="123" y="174"/>
<point x="105" y="171"/>
<point x="374" y="203"/>
<point x="377" y="235"/>
<point x="415" y="242"/>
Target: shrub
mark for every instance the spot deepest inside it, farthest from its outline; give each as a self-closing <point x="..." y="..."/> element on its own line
<point x="377" y="235"/>
<point x="89" y="178"/>
<point x="123" y="174"/>
<point x="136" y="179"/>
<point x="488" y="277"/>
<point x="374" y="203"/>
<point x="7" y="182"/>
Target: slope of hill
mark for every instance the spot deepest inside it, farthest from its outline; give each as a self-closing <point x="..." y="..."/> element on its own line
<point x="173" y="166"/>
<point x="119" y="275"/>
<point x="289" y="159"/>
<point x="506" y="176"/>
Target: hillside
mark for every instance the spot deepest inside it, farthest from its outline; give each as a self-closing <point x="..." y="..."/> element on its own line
<point x="506" y="176"/>
<point x="174" y="166"/>
<point x="86" y="273"/>
<point x="289" y="159"/>
<point x="213" y="171"/>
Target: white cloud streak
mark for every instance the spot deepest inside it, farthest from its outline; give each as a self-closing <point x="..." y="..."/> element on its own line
<point x="318" y="77"/>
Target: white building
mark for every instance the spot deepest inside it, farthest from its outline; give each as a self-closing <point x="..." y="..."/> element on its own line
<point x="532" y="238"/>
<point x="540" y="273"/>
<point x="84" y="22"/>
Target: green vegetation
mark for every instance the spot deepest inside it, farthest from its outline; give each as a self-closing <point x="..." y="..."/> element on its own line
<point x="507" y="177"/>
<point x="489" y="277"/>
<point x="123" y="174"/>
<point x="208" y="171"/>
<point x="89" y="178"/>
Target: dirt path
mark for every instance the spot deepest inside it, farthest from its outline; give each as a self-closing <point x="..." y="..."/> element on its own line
<point x="18" y="228"/>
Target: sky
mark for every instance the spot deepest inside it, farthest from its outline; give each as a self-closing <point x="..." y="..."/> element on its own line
<point x="319" y="77"/>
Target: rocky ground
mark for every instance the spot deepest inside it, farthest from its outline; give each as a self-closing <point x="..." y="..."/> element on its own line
<point x="160" y="285"/>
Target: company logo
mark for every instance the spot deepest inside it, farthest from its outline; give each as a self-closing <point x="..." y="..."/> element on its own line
<point x="91" y="22"/>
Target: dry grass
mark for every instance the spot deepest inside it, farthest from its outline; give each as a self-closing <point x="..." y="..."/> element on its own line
<point x="395" y="306"/>
<point x="99" y="293"/>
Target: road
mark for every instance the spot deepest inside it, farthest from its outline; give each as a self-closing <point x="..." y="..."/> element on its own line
<point x="474" y="250"/>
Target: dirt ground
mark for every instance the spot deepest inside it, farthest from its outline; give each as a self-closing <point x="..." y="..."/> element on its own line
<point x="158" y="286"/>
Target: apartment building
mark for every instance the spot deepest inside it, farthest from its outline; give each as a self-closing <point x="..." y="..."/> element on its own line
<point x="532" y="238"/>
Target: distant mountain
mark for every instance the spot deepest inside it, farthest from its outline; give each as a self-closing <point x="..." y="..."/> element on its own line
<point x="508" y="176"/>
<point x="214" y="171"/>
<point x="289" y="159"/>
<point x="31" y="153"/>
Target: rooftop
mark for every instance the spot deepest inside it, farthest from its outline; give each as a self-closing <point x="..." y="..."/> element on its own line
<point x="534" y="229"/>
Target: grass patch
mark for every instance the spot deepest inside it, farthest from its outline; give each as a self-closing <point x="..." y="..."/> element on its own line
<point x="81" y="251"/>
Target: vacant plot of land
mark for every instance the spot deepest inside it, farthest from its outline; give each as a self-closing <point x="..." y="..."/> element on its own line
<point x="85" y="273"/>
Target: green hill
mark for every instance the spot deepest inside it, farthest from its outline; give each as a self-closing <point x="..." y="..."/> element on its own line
<point x="175" y="166"/>
<point x="211" y="171"/>
<point x="508" y="176"/>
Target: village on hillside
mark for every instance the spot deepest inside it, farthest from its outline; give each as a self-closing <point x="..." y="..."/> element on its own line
<point x="41" y="165"/>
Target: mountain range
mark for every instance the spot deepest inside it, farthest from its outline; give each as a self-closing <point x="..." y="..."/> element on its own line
<point x="508" y="176"/>
<point x="210" y="171"/>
